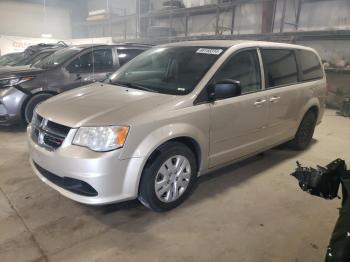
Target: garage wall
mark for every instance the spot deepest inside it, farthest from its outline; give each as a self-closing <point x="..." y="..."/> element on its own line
<point x="322" y="15"/>
<point x="27" y="19"/>
<point x="10" y="44"/>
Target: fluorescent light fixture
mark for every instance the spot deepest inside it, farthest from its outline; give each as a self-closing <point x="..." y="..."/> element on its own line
<point x="46" y="35"/>
<point x="97" y="12"/>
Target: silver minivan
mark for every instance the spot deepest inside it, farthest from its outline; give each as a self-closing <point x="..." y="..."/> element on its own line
<point x="173" y="113"/>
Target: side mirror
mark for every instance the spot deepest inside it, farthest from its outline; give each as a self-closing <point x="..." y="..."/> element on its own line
<point x="106" y="77"/>
<point x="225" y="89"/>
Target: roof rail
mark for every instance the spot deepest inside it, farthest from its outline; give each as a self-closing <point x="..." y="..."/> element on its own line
<point x="135" y="43"/>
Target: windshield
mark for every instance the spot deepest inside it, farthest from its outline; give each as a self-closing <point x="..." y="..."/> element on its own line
<point x="169" y="70"/>
<point x="57" y="58"/>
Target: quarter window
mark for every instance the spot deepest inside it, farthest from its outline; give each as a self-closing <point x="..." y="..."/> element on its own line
<point x="242" y="67"/>
<point x="280" y="67"/>
<point x="310" y="65"/>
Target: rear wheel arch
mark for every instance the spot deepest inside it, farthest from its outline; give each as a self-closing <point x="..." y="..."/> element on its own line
<point x="306" y="128"/>
<point x="312" y="106"/>
<point x="314" y="109"/>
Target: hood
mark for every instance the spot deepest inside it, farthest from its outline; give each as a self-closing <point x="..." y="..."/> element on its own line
<point x="10" y="71"/>
<point x="100" y="105"/>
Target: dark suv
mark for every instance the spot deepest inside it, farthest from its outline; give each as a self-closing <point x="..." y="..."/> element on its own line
<point x="22" y="89"/>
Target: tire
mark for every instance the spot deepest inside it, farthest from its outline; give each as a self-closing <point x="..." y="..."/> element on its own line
<point x="31" y="104"/>
<point x="161" y="175"/>
<point x="305" y="131"/>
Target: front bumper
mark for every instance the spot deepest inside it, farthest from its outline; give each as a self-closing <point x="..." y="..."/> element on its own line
<point x="113" y="179"/>
<point x="11" y="101"/>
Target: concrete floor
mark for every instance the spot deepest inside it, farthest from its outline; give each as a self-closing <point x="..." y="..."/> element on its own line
<point x="252" y="211"/>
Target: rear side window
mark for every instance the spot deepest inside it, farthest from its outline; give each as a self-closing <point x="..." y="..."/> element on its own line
<point x="103" y="60"/>
<point x="100" y="60"/>
<point x="280" y="67"/>
<point x="311" y="68"/>
<point x="125" y="55"/>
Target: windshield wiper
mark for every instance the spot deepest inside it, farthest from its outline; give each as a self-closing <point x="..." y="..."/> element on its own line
<point x="133" y="85"/>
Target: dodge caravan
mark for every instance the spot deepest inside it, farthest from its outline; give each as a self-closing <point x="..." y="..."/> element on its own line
<point x="175" y="112"/>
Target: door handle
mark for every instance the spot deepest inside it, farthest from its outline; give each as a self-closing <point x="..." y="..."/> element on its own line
<point x="259" y="102"/>
<point x="274" y="99"/>
<point x="78" y="77"/>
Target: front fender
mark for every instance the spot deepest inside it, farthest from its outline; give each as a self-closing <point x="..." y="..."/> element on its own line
<point x="163" y="134"/>
<point x="148" y="144"/>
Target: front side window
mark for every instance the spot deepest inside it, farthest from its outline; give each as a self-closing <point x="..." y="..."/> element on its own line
<point x="85" y="63"/>
<point x="242" y="67"/>
<point x="280" y="67"/>
<point x="310" y="65"/>
<point x="169" y="70"/>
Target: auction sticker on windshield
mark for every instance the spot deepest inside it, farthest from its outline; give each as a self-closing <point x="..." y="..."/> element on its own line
<point x="209" y="51"/>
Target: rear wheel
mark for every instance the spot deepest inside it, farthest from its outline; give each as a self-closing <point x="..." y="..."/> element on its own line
<point x="169" y="179"/>
<point x="32" y="103"/>
<point x="305" y="131"/>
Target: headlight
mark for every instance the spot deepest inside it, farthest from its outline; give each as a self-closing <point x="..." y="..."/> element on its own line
<point x="8" y="82"/>
<point x="101" y="138"/>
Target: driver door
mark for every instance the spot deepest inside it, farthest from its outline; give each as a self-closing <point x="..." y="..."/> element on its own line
<point x="90" y="67"/>
<point x="238" y="124"/>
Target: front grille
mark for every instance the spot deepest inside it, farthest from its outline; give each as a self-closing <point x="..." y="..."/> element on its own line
<point x="48" y="134"/>
<point x="4" y="118"/>
<point x="71" y="184"/>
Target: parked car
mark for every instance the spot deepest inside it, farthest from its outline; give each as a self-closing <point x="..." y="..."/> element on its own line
<point x="21" y="60"/>
<point x="34" y="49"/>
<point x="23" y="88"/>
<point x="175" y="112"/>
<point x="31" y="54"/>
<point x="30" y="60"/>
<point x="10" y="58"/>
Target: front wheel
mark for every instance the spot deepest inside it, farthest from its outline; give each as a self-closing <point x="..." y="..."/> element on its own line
<point x="305" y="131"/>
<point x="31" y="104"/>
<point x="169" y="179"/>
